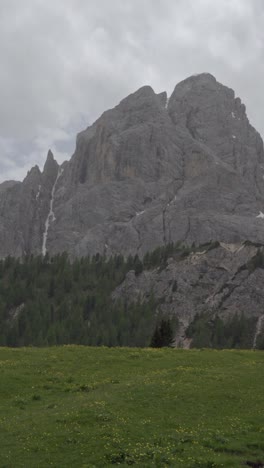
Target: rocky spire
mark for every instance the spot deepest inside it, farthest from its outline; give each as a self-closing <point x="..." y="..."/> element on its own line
<point x="51" y="166"/>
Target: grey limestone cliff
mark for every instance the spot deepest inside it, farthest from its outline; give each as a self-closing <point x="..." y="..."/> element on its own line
<point x="220" y="280"/>
<point x="148" y="172"/>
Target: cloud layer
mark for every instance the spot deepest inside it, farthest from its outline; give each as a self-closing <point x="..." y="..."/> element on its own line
<point x="64" y="62"/>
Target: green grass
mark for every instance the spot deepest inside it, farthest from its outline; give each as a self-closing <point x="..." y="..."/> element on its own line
<point x="93" y="407"/>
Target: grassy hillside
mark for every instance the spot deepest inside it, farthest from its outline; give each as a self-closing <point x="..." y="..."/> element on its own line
<point x="93" y="407"/>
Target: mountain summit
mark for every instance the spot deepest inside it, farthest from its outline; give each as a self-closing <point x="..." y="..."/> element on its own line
<point x="148" y="172"/>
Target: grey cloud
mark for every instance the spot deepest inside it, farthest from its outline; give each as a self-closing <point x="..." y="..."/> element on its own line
<point x="64" y="62"/>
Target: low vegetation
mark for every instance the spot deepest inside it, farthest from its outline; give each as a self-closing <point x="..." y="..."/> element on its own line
<point x="88" y="407"/>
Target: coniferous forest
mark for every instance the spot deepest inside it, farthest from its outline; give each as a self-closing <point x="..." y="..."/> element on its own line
<point x="50" y="301"/>
<point x="53" y="300"/>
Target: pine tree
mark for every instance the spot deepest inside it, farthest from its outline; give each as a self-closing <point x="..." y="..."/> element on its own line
<point x="163" y="335"/>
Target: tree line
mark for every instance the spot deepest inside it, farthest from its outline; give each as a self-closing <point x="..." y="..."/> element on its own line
<point x="52" y="301"/>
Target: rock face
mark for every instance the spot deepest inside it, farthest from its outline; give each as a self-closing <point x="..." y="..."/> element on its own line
<point x="148" y="172"/>
<point x="224" y="280"/>
<point x="24" y="208"/>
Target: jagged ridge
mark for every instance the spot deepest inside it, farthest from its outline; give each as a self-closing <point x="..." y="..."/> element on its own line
<point x="148" y="172"/>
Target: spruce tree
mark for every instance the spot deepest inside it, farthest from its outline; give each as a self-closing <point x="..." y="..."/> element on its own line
<point x="163" y="335"/>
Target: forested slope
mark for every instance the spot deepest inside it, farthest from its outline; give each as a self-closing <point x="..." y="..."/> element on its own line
<point x="122" y="302"/>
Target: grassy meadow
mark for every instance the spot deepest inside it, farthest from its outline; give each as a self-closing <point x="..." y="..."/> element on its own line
<point x="75" y="406"/>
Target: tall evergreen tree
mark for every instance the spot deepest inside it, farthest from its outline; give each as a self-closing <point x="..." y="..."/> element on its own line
<point x="163" y="335"/>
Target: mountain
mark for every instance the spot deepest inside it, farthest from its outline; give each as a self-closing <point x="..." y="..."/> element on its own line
<point x="148" y="172"/>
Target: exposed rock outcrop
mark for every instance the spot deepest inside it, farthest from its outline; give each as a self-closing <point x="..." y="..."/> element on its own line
<point x="224" y="280"/>
<point x="23" y="210"/>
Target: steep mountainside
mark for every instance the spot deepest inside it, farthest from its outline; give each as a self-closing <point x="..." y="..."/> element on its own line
<point x="148" y="172"/>
<point x="214" y="280"/>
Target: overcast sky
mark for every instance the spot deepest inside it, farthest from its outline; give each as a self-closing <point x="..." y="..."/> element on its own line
<point x="63" y="62"/>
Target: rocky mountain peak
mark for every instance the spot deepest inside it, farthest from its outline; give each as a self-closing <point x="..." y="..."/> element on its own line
<point x="33" y="177"/>
<point x="144" y="92"/>
<point x="215" y="118"/>
<point x="148" y="172"/>
<point x="201" y="95"/>
<point x="200" y="79"/>
<point x="51" y="167"/>
<point x="197" y="83"/>
<point x="34" y="171"/>
<point x="143" y="98"/>
<point x="50" y="156"/>
<point x="125" y="141"/>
